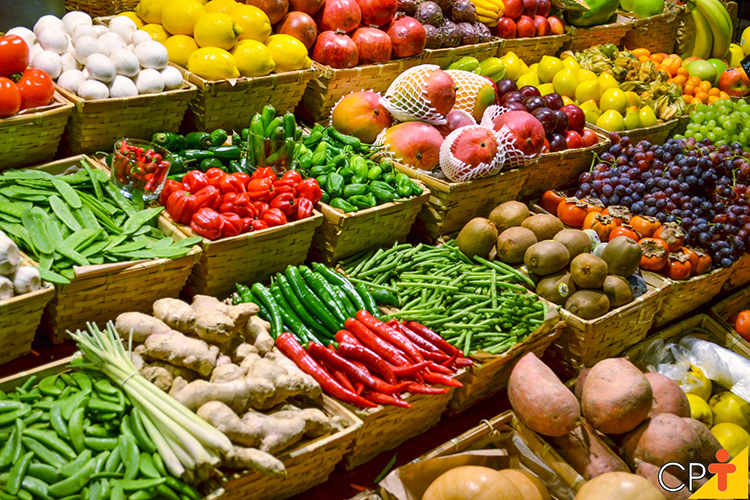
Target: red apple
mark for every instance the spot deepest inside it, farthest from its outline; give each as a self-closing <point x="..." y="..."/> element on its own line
<point x="576" y="117"/>
<point x="734" y="82"/>
<point x="530" y="7"/>
<point x="589" y="137"/>
<point x="573" y="139"/>
<point x="506" y="28"/>
<point x="542" y="26"/>
<point x="556" y="25"/>
<point x="526" y="28"/>
<point x="513" y="8"/>
<point x="527" y="132"/>
<point x="544" y="8"/>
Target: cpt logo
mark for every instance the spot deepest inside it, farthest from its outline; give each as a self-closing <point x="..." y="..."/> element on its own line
<point x="729" y="480"/>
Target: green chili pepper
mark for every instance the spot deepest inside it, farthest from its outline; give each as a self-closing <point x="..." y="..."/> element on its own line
<point x="198" y="140"/>
<point x="374" y="173"/>
<point x="362" y="202"/>
<point x="226" y="152"/>
<point x="416" y="190"/>
<point x="273" y="125"/>
<point x="244" y="133"/>
<point x="219" y="137"/>
<point x="355" y="189"/>
<point x="290" y="126"/>
<point x="196" y="155"/>
<point x="320" y="170"/>
<point x="403" y="185"/>
<point x="267" y="115"/>
<point x="211" y="163"/>
<point x="389" y="177"/>
<point x="257" y="127"/>
<point x="313" y="139"/>
<point x="342" y="204"/>
<point x="359" y="169"/>
<point x="382" y="195"/>
<point x="335" y="185"/>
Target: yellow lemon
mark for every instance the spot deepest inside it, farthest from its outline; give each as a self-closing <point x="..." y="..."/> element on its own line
<point x="546" y="88"/>
<point x="534" y="68"/>
<point x="253" y="21"/>
<point x="632" y="118"/>
<point x="513" y="65"/>
<point x="549" y="66"/>
<point x="571" y="63"/>
<point x="179" y="16"/>
<point x="591" y="109"/>
<point x="524" y="67"/>
<point x="649" y="119"/>
<point x="211" y="63"/>
<point x="566" y="82"/>
<point x="611" y="121"/>
<point x="180" y="47"/>
<point x="528" y="79"/>
<point x="745" y="41"/>
<point x="133" y="17"/>
<point x="224" y="6"/>
<point x="567" y="100"/>
<point x="217" y="30"/>
<point x="633" y="99"/>
<point x="608" y="81"/>
<point x="700" y="411"/>
<point x="588" y="90"/>
<point x="703" y="391"/>
<point x="157" y="32"/>
<point x="253" y="58"/>
<point x="584" y="74"/>
<point x="288" y="53"/>
<point x="613" y="99"/>
<point x="731" y="437"/>
<point x="150" y="10"/>
<point x="729" y="407"/>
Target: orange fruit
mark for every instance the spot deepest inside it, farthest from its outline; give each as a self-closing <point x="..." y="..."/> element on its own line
<point x="670" y="80"/>
<point x="703" y="96"/>
<point x="723" y="95"/>
<point x="697" y="101"/>
<point x="694" y="81"/>
<point x="712" y="99"/>
<point x="688" y="89"/>
<point x="684" y="72"/>
<point x="680" y="79"/>
<point x="657" y="58"/>
<point x="643" y="59"/>
<point x="713" y="92"/>
<point x="641" y="52"/>
<point x="675" y="65"/>
<point x="705" y="86"/>
<point x="687" y="98"/>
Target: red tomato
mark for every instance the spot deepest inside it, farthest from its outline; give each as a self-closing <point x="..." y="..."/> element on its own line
<point x="14" y="55"/>
<point x="36" y="88"/>
<point x="10" y="98"/>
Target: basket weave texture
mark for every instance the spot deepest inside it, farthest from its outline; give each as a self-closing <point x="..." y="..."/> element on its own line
<point x="101" y="7"/>
<point x="583" y="38"/>
<point x="656" y="33"/>
<point x="19" y="319"/>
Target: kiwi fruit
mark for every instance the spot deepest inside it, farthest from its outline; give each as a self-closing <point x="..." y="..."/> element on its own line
<point x="618" y="291"/>
<point x="513" y="243"/>
<point x="546" y="257"/>
<point x="477" y="237"/>
<point x="588" y="304"/>
<point x="556" y="288"/>
<point x="588" y="271"/>
<point x="623" y="256"/>
<point x="544" y="226"/>
<point x="509" y="214"/>
<point x="575" y="240"/>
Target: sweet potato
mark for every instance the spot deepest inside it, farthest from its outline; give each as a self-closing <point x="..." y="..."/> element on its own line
<point x="616" y="396"/>
<point x="651" y="472"/>
<point x="578" y="389"/>
<point x="668" y="396"/>
<point x="584" y="450"/>
<point x="540" y="400"/>
<point x="708" y="444"/>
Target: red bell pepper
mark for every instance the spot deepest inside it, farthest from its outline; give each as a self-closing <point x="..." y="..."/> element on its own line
<point x="207" y="223"/>
<point x="274" y="217"/>
<point x="351" y="370"/>
<point x="364" y="355"/>
<point x="310" y="189"/>
<point x="242" y="176"/>
<point x="194" y="181"/>
<point x="390" y="334"/>
<point x="209" y="197"/>
<point x="231" y="184"/>
<point x="169" y="187"/>
<point x="285" y="202"/>
<point x="385" y="399"/>
<point x="284" y="186"/>
<point x="227" y="203"/>
<point x="181" y="206"/>
<point x="261" y="189"/>
<point x="215" y="176"/>
<point x="243" y="206"/>
<point x="258" y="225"/>
<point x="247" y="224"/>
<point x="292" y="175"/>
<point x="304" y="208"/>
<point x="260" y="207"/>
<point x="375" y="343"/>
<point x="263" y="173"/>
<point x="232" y="225"/>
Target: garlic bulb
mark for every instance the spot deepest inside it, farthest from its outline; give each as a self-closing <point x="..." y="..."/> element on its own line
<point x="6" y="288"/>
<point x="10" y="257"/>
<point x="26" y="280"/>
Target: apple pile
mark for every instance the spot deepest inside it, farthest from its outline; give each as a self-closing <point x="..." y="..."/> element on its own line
<point x="528" y="18"/>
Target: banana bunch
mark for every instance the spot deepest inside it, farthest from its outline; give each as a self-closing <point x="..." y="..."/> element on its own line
<point x="713" y="30"/>
<point x="489" y="12"/>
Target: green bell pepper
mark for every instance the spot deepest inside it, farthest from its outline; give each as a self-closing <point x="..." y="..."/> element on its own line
<point x="219" y="137"/>
<point x="342" y="204"/>
<point x="416" y="190"/>
<point x="335" y="185"/>
<point x="355" y="190"/>
<point x="325" y="197"/>
<point x="346" y="173"/>
<point x="319" y="156"/>
<point x="322" y="181"/>
<point x="359" y="169"/>
<point x="198" y="140"/>
<point x="173" y="142"/>
<point x="374" y="173"/>
<point x="389" y="177"/>
<point x="362" y="202"/>
<point x="319" y="170"/>
<point x="403" y="185"/>
<point x="382" y="195"/>
<point x="211" y="163"/>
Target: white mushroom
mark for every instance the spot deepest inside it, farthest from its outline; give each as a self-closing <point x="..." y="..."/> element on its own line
<point x="139" y="37"/>
<point x="49" y="62"/>
<point x="68" y="62"/>
<point x="28" y="36"/>
<point x="111" y="42"/>
<point x="76" y="18"/>
<point x="71" y="80"/>
<point x="82" y="30"/>
<point x="149" y="81"/>
<point x="172" y="78"/>
<point x="101" y="68"/>
<point x="48" y="22"/>
<point x="152" y="55"/>
<point x="92" y="89"/>
<point x="123" y="26"/>
<point x="122" y="86"/>
<point x="54" y="40"/>
<point x="86" y="46"/>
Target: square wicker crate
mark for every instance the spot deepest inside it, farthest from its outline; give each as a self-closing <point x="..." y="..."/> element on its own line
<point x="740" y="275"/>
<point x="101" y="7"/>
<point x="583" y="38"/>
<point x="531" y="50"/>
<point x="658" y="134"/>
<point x="656" y="33"/>
<point x="727" y="308"/>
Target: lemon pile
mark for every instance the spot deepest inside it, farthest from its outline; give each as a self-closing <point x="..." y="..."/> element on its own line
<point x="219" y="39"/>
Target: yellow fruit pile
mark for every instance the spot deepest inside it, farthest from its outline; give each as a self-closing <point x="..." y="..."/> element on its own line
<point x="219" y="39"/>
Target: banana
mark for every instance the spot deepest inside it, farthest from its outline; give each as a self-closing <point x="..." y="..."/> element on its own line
<point x="498" y="4"/>
<point x="703" y="36"/>
<point x="485" y="5"/>
<point x="688" y="51"/>
<point x="486" y="13"/>
<point x="487" y="21"/>
<point x="722" y="30"/>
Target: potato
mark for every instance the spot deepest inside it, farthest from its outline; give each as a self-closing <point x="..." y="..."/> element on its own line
<point x="616" y="396"/>
<point x="660" y="439"/>
<point x="540" y="400"/>
<point x="668" y="396"/>
<point x="708" y="444"/>
<point x="651" y="472"/>
<point x="587" y="453"/>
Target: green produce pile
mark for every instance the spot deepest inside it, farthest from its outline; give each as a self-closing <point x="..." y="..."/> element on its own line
<point x="350" y="181"/>
<point x="75" y="435"/>
<point x="201" y="151"/>
<point x="79" y="219"/>
<point x="474" y="305"/>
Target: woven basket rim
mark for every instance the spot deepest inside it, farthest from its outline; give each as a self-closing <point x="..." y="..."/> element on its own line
<point x="244" y="82"/>
<point x="640" y="22"/>
<point x="604" y="142"/>
<point x="619" y="24"/>
<point x="16" y="300"/>
<point x="668" y="125"/>
<point x="445" y="184"/>
<point x="325" y="71"/>
<point x="80" y="102"/>
<point x="62" y="105"/>
<point x="532" y="41"/>
<point x="463" y="48"/>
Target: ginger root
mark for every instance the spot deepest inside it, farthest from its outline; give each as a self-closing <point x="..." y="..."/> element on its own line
<point x="160" y="377"/>
<point x="257" y="333"/>
<point x="238" y="394"/>
<point x="312" y="388"/>
<point x="176" y="314"/>
<point x="141" y="325"/>
<point x="217" y="322"/>
<point x="288" y="384"/>
<point x="253" y="459"/>
<point x="178" y="349"/>
<point x="226" y="373"/>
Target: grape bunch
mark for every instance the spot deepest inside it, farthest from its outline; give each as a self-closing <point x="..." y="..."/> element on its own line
<point x="724" y="122"/>
<point x="701" y="186"/>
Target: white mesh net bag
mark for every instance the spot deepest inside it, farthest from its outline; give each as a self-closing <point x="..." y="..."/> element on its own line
<point x="471" y="136"/>
<point x="407" y="100"/>
<point x="514" y="158"/>
<point x="468" y="87"/>
<point x="425" y="143"/>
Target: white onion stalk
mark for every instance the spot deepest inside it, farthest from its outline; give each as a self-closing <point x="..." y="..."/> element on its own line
<point x="189" y="446"/>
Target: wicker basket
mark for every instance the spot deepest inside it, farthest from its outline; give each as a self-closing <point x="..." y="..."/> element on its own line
<point x="96" y="125"/>
<point x="658" y="134"/>
<point x="506" y="431"/>
<point x="583" y="38"/>
<point x="247" y="258"/>
<point x="682" y="297"/>
<point x="740" y="275"/>
<point x="730" y="306"/>
<point x="99" y="293"/>
<point x="584" y="342"/>
<point x="561" y="170"/>
<point x="656" y="33"/>
<point x="329" y="85"/>
<point x="531" y="50"/>
<point x="231" y="104"/>
<point x="453" y="204"/>
<point x="32" y="135"/>
<point x="444" y="57"/>
<point x="343" y="235"/>
<point x="101" y="7"/>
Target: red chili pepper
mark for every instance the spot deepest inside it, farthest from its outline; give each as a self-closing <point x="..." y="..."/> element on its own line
<point x="390" y="334"/>
<point x="438" y="357"/>
<point x="431" y="337"/>
<point x="181" y="206"/>
<point x="385" y="399"/>
<point x="169" y="187"/>
<point x="261" y="189"/>
<point x="385" y="350"/>
<point x="284" y="186"/>
<point x="310" y="189"/>
<point x="292" y="175"/>
<point x="425" y="389"/>
<point x="360" y="388"/>
<point x="408" y="371"/>
<point x="232" y="225"/>
<point x="260" y="207"/>
<point x="151" y="182"/>
<point x="285" y="202"/>
<point x="194" y="181"/>
<point x="242" y="176"/>
<point x="463" y="362"/>
<point x="442" y="369"/>
<point x="292" y="350"/>
<point x="231" y="184"/>
<point x="215" y="176"/>
<point x="416" y="339"/>
<point x="274" y="217"/>
<point x="342" y="378"/>
<point x="207" y="223"/>
<point x="439" y="378"/>
<point x="263" y="173"/>
<point x="353" y="371"/>
<point x="209" y="197"/>
<point x="304" y="208"/>
<point x="364" y="355"/>
<point x="450" y="361"/>
<point x="258" y="225"/>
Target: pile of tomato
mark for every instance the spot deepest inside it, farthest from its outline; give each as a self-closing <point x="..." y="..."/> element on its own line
<point x="21" y="87"/>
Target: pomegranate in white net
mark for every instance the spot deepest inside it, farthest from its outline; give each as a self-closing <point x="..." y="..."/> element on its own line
<point x="471" y="152"/>
<point x="422" y="93"/>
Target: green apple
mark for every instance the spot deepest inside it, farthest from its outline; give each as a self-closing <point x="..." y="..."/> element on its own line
<point x="648" y="8"/>
<point x="703" y="70"/>
<point x="720" y="66"/>
<point x="626" y="5"/>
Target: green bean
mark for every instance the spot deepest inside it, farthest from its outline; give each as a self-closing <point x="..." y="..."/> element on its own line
<point x="43" y="453"/>
<point x="72" y="467"/>
<point x="68" y="193"/>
